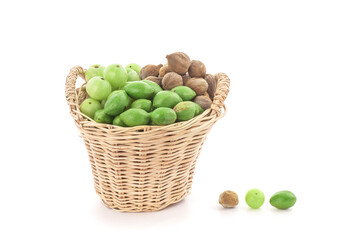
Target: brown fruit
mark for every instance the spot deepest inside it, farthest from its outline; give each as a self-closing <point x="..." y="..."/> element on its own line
<point x="185" y="78"/>
<point x="171" y="80"/>
<point x="157" y="80"/>
<point x="178" y="62"/>
<point x="204" y="101"/>
<point x="206" y="94"/>
<point x="164" y="70"/>
<point x="197" y="69"/>
<point x="212" y="85"/>
<point x="228" y="199"/>
<point x="199" y="85"/>
<point x="150" y="70"/>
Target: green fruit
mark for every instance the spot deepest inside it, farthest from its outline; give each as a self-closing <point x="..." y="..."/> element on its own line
<point x="199" y="109"/>
<point x="144" y="104"/>
<point x="118" y="122"/>
<point x="102" y="117"/>
<point x="185" y="110"/>
<point x="95" y="70"/>
<point x="132" y="75"/>
<point x="89" y="107"/>
<point x="139" y="90"/>
<point x="255" y="198"/>
<point x="186" y="93"/>
<point x="163" y="116"/>
<point x="135" y="67"/>
<point x="166" y="99"/>
<point x="116" y="103"/>
<point x="135" y="117"/>
<point x="116" y="75"/>
<point x="98" y="88"/>
<point x="154" y="85"/>
<point x="283" y="199"/>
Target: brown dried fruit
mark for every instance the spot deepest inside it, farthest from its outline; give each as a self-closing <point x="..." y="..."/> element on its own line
<point x="212" y="85"/>
<point x="228" y="199"/>
<point x="150" y="70"/>
<point x="185" y="78"/>
<point x="199" y="85"/>
<point x="204" y="101"/>
<point x="164" y="70"/>
<point x="206" y="94"/>
<point x="171" y="80"/>
<point x="197" y="69"/>
<point x="178" y="62"/>
<point x="157" y="80"/>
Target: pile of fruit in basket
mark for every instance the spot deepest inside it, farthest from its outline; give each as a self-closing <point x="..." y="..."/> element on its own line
<point x="153" y="95"/>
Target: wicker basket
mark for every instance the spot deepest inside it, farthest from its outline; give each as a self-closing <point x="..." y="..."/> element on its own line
<point x="144" y="168"/>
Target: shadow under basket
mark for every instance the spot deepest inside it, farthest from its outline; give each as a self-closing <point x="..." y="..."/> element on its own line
<point x="143" y="168"/>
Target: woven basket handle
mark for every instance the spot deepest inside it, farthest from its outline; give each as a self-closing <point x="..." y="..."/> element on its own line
<point x="221" y="93"/>
<point x="70" y="86"/>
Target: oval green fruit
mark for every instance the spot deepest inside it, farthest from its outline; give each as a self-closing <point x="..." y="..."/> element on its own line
<point x="116" y="75"/>
<point x="144" y="104"/>
<point x="118" y="122"/>
<point x="135" y="117"/>
<point x="255" y="198"/>
<point x="199" y="109"/>
<point x="186" y="93"/>
<point x="101" y="117"/>
<point x="139" y="90"/>
<point x="154" y="85"/>
<point x="132" y="75"/>
<point x="135" y="67"/>
<point x="95" y="70"/>
<point x="98" y="88"/>
<point x="166" y="99"/>
<point x="283" y="199"/>
<point x="163" y="116"/>
<point x="116" y="103"/>
<point x="89" y="107"/>
<point x="185" y="110"/>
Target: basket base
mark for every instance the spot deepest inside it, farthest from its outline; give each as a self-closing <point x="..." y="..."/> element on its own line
<point x="142" y="208"/>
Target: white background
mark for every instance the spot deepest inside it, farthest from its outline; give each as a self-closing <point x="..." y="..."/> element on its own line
<point x="292" y="119"/>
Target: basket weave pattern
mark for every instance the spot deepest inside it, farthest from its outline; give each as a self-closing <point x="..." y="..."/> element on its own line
<point x="143" y="168"/>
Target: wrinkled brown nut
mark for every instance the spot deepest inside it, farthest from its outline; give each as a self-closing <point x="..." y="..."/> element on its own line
<point x="212" y="85"/>
<point x="228" y="199"/>
<point x="197" y="69"/>
<point x="157" y="80"/>
<point x="164" y="70"/>
<point x="199" y="85"/>
<point x="171" y="80"/>
<point x="150" y="70"/>
<point x="185" y="78"/>
<point x="178" y="62"/>
<point x="204" y="101"/>
<point x="206" y="94"/>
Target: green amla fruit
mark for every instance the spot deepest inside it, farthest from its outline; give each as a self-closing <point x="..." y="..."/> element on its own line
<point x="144" y="104"/>
<point x="89" y="107"/>
<point x="186" y="93"/>
<point x="132" y="75"/>
<point x="102" y="117"/>
<point x="139" y="90"/>
<point x="116" y="75"/>
<point x="199" y="109"/>
<point x="135" y="117"/>
<point x="163" y="116"/>
<point x="95" y="70"/>
<point x="166" y="99"/>
<point x="154" y="85"/>
<point x="135" y="67"/>
<point x="185" y="110"/>
<point x="118" y="122"/>
<point x="117" y="102"/>
<point x="283" y="199"/>
<point x="254" y="198"/>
